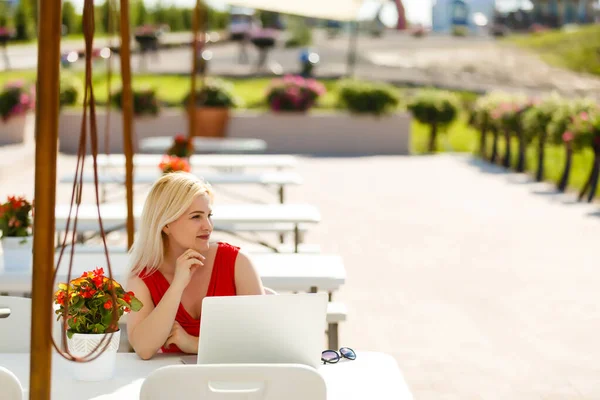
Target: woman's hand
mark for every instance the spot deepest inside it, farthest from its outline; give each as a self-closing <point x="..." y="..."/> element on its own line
<point x="186" y="265"/>
<point x="179" y="337"/>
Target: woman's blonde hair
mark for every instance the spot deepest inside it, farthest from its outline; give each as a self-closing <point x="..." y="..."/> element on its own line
<point x="168" y="199"/>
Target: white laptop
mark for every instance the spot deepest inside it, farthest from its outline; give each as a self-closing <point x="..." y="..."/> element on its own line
<point x="281" y="329"/>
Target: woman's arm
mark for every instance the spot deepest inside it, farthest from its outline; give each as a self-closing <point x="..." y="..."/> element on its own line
<point x="247" y="281"/>
<point x="149" y="328"/>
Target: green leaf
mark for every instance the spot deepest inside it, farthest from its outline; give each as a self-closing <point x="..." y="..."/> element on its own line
<point x="99" y="328"/>
<point x="70" y="333"/>
<point x="136" y="305"/>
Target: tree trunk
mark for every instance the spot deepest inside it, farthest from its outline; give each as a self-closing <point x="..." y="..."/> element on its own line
<point x="594" y="179"/>
<point x="539" y="176"/>
<point x="506" y="161"/>
<point x="588" y="183"/>
<point x="564" y="179"/>
<point x="494" y="156"/>
<point x="483" y="142"/>
<point x="521" y="164"/>
<point x="433" y="138"/>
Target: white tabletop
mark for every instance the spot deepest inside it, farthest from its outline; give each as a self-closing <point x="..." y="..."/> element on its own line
<point x="214" y="178"/>
<point x="204" y="160"/>
<point x="280" y="272"/>
<point x="206" y="145"/>
<point x="114" y="215"/>
<point x="371" y="376"/>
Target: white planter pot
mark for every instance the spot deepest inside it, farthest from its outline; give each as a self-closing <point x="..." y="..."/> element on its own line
<point x="13" y="130"/>
<point x="103" y="367"/>
<point x="17" y="253"/>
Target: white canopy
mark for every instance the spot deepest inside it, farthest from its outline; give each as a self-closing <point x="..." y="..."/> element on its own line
<point x="342" y="10"/>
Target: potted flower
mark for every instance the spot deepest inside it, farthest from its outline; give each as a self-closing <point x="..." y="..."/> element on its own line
<point x="145" y="101"/>
<point x="16" y="99"/>
<point x="174" y="164"/>
<point x="15" y="224"/>
<point x="212" y="105"/>
<point x="90" y="308"/>
<point x="182" y="147"/>
<point x="293" y="93"/>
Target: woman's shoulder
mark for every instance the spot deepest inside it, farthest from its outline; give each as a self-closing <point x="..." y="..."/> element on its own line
<point x="226" y="247"/>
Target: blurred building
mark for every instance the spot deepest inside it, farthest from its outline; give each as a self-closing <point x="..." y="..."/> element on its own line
<point x="559" y="12"/>
<point x="447" y="13"/>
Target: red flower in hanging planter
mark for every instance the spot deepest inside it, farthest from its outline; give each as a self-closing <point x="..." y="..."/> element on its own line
<point x="91" y="303"/>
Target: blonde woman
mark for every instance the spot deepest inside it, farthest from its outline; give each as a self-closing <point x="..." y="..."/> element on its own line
<point x="174" y="266"/>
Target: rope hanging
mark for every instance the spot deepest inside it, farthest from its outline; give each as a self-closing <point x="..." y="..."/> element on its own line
<point x="89" y="100"/>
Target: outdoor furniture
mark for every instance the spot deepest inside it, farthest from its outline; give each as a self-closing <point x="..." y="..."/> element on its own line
<point x="226" y="162"/>
<point x="371" y="376"/>
<point x="225" y="215"/>
<point x="11" y="387"/>
<point x="269" y="382"/>
<point x="205" y="145"/>
<point x="281" y="272"/>
<point x="15" y="324"/>
<point x="275" y="178"/>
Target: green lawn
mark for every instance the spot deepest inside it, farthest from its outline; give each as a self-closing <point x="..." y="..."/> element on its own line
<point x="578" y="50"/>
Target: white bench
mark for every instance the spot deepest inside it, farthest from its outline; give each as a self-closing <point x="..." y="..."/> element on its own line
<point x="225" y="217"/>
<point x="276" y="178"/>
<point x="218" y="161"/>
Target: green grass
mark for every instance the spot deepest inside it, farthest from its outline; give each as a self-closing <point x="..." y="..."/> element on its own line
<point x="578" y="50"/>
<point x="462" y="138"/>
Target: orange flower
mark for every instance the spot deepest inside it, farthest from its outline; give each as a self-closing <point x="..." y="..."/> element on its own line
<point x="108" y="305"/>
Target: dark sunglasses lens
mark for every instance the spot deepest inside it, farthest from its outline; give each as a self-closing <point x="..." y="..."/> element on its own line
<point x="348" y="353"/>
<point x="330" y="356"/>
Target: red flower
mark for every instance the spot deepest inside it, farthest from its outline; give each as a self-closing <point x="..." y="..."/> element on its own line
<point x="98" y="281"/>
<point x="127" y="298"/>
<point x="126" y="309"/>
<point x="60" y="298"/>
<point x="108" y="305"/>
<point x="180" y="139"/>
<point x="99" y="271"/>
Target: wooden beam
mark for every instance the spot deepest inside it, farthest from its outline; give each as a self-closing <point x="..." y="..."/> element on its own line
<point x="46" y="134"/>
<point x="127" y="102"/>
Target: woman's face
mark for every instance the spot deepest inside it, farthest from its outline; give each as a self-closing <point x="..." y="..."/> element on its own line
<point x="193" y="228"/>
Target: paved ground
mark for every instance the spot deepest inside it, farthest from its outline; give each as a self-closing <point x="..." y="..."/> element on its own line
<point x="481" y="284"/>
<point x="471" y="63"/>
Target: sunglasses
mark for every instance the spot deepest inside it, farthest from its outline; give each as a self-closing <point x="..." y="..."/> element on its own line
<point x="332" y="356"/>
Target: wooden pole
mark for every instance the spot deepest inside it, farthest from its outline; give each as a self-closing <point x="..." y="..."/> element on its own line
<point x="192" y="100"/>
<point x="46" y="137"/>
<point x="127" y="102"/>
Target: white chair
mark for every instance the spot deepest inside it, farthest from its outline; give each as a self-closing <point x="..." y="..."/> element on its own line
<point x="15" y="324"/>
<point x="234" y="382"/>
<point x="11" y="387"/>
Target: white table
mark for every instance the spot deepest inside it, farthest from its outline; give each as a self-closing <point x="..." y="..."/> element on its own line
<point x="275" y="178"/>
<point x="224" y="216"/>
<point x="281" y="272"/>
<point x="218" y="161"/>
<point x="371" y="376"/>
<point x="160" y="144"/>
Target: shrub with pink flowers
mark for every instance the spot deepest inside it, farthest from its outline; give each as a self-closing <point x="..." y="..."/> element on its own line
<point x="584" y="130"/>
<point x="16" y="98"/>
<point x="294" y="93"/>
